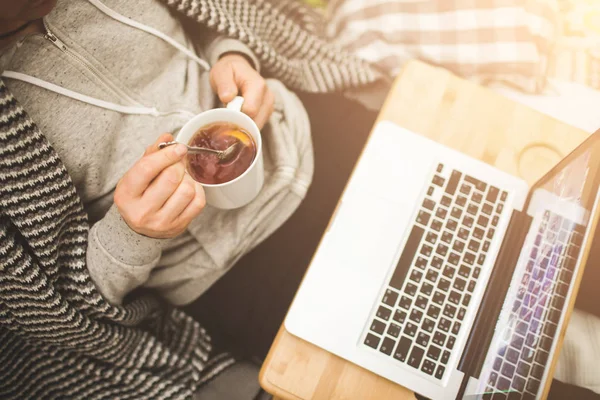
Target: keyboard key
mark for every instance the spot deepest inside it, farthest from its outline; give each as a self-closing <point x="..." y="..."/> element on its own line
<point x="447" y="237"/>
<point x="456" y="328"/>
<point x="533" y="385"/>
<point x="499" y="208"/>
<point x="390" y="297"/>
<point x="466" y="300"/>
<point x="416" y="316"/>
<point x="492" y="195"/>
<point x="441" y="213"/>
<point x="465" y="189"/>
<point x="438" y="298"/>
<point x="459" y="246"/>
<point x="430" y="191"/>
<point x="461" y="200"/>
<point x="416" y="276"/>
<point x="437" y="262"/>
<point x="456" y="212"/>
<point x="387" y="346"/>
<point x="464" y="271"/>
<point x="438" y="180"/>
<point x="508" y="370"/>
<point x="546" y="343"/>
<point x="405" y="302"/>
<point x="469" y="258"/>
<point x="433" y="311"/>
<point x="446" y="201"/>
<point x="436" y="225"/>
<point x="393" y="330"/>
<point x="383" y="313"/>
<point x="483" y="221"/>
<point x="487" y="209"/>
<point x="471" y="286"/>
<point x="478" y="233"/>
<point x="453" y="258"/>
<point x="490" y="234"/>
<point x="449" y="271"/>
<point x="378" y="327"/>
<point x="410" y="290"/>
<point x="428" y="325"/>
<point x="431" y="238"/>
<point x="445" y="357"/>
<point x="429" y="204"/>
<point x="503" y="384"/>
<point x="439" y="338"/>
<point x="512" y="355"/>
<point x="443" y="284"/>
<point x="410" y="329"/>
<point x="495" y="220"/>
<point x="518" y="384"/>
<point x="372" y="341"/>
<point x="442" y="249"/>
<point x="463" y="234"/>
<point x="486" y="246"/>
<point x="416" y="355"/>
<point x="451" y="225"/>
<point x="421" y="262"/>
<point x="476" y="272"/>
<point x="423" y="339"/>
<point x="421" y="302"/>
<point x="565" y="276"/>
<point x="426" y="250"/>
<point x="477" y="197"/>
<point x="423" y="218"/>
<point x="558" y="302"/>
<point x="481" y="186"/>
<point x="523" y="369"/>
<point x="527" y="354"/>
<point x="454" y="297"/>
<point x="431" y="276"/>
<point x="474" y="245"/>
<point x="406" y="259"/>
<point x="453" y="182"/>
<point x="444" y="324"/>
<point x="541" y="356"/>
<point x="399" y="316"/>
<point x="402" y="349"/>
<point x="428" y="367"/>
<point x="468" y="222"/>
<point x="537" y="371"/>
<point x="472" y="209"/>
<point x="450" y="342"/>
<point x="439" y="373"/>
<point x="449" y="311"/>
<point x="426" y="288"/>
<point x="481" y="259"/>
<point x="434" y="352"/>
<point x="459" y="284"/>
<point x="461" y="314"/>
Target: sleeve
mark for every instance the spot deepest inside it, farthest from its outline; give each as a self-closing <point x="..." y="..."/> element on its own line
<point x="218" y="46"/>
<point x="119" y="259"/>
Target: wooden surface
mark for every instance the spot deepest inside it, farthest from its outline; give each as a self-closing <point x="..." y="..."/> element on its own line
<point x="459" y="114"/>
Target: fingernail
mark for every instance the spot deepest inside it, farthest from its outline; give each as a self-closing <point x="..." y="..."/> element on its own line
<point x="180" y="150"/>
<point x="225" y="94"/>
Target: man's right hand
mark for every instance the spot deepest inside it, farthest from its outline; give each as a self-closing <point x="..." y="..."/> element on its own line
<point x="156" y="197"/>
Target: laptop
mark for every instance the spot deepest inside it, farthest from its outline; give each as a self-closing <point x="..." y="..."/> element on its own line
<point x="446" y="275"/>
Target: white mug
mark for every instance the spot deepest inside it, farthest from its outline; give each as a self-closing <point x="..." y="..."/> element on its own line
<point x="243" y="189"/>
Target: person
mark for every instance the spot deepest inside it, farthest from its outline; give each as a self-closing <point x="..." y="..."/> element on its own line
<point x="104" y="88"/>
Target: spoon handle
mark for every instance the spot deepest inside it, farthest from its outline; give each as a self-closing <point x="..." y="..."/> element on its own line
<point x="191" y="149"/>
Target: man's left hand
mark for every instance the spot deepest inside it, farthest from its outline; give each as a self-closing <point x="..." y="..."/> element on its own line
<point x="233" y="75"/>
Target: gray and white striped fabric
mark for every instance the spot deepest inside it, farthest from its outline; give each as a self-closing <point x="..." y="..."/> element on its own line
<point x="484" y="40"/>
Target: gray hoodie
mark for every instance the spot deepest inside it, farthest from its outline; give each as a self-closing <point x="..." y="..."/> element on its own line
<point x="110" y="61"/>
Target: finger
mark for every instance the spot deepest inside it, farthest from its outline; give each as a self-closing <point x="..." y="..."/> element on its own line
<point x="266" y="110"/>
<point x="143" y="172"/>
<point x="222" y="80"/>
<point x="253" y="91"/>
<point x="183" y="196"/>
<point x="163" y="187"/>
<point x="193" y="209"/>
<point x="153" y="148"/>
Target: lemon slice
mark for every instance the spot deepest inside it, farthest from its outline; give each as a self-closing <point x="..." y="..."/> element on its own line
<point x="242" y="137"/>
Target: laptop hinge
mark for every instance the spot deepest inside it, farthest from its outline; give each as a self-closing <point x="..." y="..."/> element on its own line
<point x="483" y="327"/>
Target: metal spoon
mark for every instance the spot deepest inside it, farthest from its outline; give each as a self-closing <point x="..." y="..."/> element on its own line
<point x="222" y="155"/>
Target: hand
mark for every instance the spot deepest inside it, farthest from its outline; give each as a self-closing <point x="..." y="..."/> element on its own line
<point x="233" y="74"/>
<point x="156" y="197"/>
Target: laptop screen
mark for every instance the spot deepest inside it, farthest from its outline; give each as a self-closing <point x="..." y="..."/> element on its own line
<point x="561" y="206"/>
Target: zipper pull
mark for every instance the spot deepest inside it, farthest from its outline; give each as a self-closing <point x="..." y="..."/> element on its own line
<point x="54" y="40"/>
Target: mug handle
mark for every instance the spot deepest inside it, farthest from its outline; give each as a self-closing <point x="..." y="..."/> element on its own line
<point x="236" y="104"/>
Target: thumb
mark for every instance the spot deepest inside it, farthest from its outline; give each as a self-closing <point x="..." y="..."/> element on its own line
<point x="222" y="80"/>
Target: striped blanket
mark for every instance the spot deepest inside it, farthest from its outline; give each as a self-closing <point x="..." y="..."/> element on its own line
<point x="506" y="41"/>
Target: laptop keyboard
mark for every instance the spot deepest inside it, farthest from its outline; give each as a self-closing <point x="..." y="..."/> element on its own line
<point x="421" y="312"/>
<point x="524" y="351"/>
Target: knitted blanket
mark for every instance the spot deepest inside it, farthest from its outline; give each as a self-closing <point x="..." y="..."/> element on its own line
<point x="59" y="338"/>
